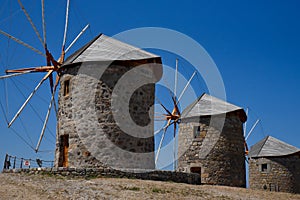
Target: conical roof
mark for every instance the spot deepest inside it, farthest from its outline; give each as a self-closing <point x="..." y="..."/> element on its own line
<point x="270" y="146"/>
<point x="207" y="105"/>
<point x="104" y="48"/>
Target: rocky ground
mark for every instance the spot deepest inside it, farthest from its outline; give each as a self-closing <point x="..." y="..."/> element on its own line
<point x="21" y="186"/>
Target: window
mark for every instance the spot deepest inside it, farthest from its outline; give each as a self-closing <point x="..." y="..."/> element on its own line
<point x="199" y="133"/>
<point x="66" y="88"/>
<point x="264" y="167"/>
<point x="196" y="131"/>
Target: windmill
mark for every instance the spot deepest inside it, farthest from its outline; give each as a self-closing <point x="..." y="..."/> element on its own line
<point x="172" y="117"/>
<point x="53" y="66"/>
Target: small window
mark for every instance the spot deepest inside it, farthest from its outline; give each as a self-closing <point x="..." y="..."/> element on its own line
<point x="66" y="88"/>
<point x="196" y="131"/>
<point x="264" y="168"/>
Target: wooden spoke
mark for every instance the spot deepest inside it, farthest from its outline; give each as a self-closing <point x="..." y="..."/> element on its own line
<point x="186" y="86"/>
<point x="163" y="106"/>
<point x="176" y="109"/>
<point x="174" y="135"/>
<point x="162" y="139"/>
<point x="51" y="82"/>
<point x="52" y="65"/>
<point x="160" y="117"/>
<point x="245" y="124"/>
<point x="29" y="97"/>
<point x="15" y="74"/>
<point x="253" y="127"/>
<point x="55" y="86"/>
<point x="246" y="148"/>
<point x="32" y="69"/>
<point x="22" y="43"/>
<point x="174" y="145"/>
<point x="73" y="42"/>
<point x="66" y="25"/>
<point x="31" y="22"/>
<point x="44" y="24"/>
<point x="160" y="144"/>
<point x="46" y="118"/>
<point x="176" y="77"/>
<point x="156" y="132"/>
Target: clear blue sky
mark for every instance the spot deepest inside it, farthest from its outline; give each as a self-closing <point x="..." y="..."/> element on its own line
<point x="255" y="45"/>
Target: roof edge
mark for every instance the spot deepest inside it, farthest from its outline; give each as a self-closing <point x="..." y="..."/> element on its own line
<point x="77" y="53"/>
<point x="296" y="152"/>
<point x="242" y="114"/>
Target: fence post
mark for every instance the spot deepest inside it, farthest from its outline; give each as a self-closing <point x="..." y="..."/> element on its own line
<point x="5" y="162"/>
<point x="21" y="165"/>
<point x="15" y="162"/>
<point x="8" y="163"/>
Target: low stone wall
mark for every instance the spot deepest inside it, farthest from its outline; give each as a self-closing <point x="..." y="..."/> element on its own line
<point x="179" y="177"/>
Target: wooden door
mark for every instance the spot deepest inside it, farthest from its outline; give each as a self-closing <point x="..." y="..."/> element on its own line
<point x="65" y="150"/>
<point x="196" y="170"/>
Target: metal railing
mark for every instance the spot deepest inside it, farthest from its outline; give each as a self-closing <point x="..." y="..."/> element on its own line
<point x="13" y="162"/>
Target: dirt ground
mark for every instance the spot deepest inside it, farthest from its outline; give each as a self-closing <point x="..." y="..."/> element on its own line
<point x="21" y="186"/>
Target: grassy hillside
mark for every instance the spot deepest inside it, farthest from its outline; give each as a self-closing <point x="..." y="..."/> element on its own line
<point x="20" y="186"/>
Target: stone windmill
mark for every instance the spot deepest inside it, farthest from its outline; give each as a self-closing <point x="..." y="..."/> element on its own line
<point x="274" y="166"/>
<point x="79" y="75"/>
<point x="211" y="142"/>
<point x="88" y="132"/>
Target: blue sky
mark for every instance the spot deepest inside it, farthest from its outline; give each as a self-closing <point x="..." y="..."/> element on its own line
<point x="255" y="45"/>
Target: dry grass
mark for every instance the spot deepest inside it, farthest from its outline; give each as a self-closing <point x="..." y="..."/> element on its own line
<point x="17" y="186"/>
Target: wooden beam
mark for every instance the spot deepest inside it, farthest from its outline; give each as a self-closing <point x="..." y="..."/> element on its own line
<point x="31" y="69"/>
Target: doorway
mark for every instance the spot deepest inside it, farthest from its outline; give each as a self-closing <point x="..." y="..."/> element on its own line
<point x="64" y="153"/>
<point x="196" y="170"/>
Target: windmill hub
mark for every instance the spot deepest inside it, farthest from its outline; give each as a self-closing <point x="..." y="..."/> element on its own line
<point x="173" y="117"/>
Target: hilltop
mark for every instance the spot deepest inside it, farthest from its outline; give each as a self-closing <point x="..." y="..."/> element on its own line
<point x="24" y="186"/>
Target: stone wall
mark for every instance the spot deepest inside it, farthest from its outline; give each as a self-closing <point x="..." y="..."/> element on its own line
<point x="86" y="115"/>
<point x="178" y="177"/>
<point x="218" y="154"/>
<point x="282" y="173"/>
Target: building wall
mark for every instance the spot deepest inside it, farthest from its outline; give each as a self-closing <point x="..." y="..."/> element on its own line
<point x="282" y="173"/>
<point x="217" y="154"/>
<point x="85" y="114"/>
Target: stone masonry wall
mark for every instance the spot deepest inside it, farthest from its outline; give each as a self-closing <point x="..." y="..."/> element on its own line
<point x="282" y="173"/>
<point x="95" y="138"/>
<point x="178" y="177"/>
<point x="219" y="153"/>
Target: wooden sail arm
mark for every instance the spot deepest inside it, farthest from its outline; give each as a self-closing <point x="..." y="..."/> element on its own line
<point x="29" y="97"/>
<point x="176" y="110"/>
<point x="31" y="69"/>
<point x="52" y="101"/>
<point x="162" y="139"/>
<point x="186" y="86"/>
<point x="246" y="148"/>
<point x="50" y="58"/>
<point x="61" y="58"/>
<point x="21" y="42"/>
